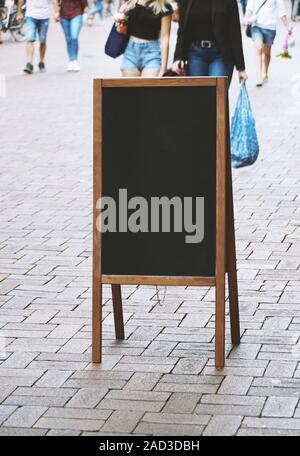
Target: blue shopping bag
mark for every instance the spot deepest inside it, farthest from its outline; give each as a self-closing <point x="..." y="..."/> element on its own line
<point x="116" y="42"/>
<point x="244" y="142"/>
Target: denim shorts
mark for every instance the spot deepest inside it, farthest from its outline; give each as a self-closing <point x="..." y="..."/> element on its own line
<point x="142" y="56"/>
<point x="265" y="35"/>
<point x="34" y="26"/>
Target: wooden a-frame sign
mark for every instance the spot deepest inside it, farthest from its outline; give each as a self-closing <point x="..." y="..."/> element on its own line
<point x="225" y="251"/>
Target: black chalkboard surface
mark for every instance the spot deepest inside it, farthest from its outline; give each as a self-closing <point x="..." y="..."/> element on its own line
<point x="160" y="141"/>
<point x="163" y="139"/>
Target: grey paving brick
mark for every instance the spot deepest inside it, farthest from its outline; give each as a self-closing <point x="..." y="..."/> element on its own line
<point x="69" y="423"/>
<point x="81" y="414"/>
<point x="280" y="406"/>
<point x="18" y="360"/>
<point x="25" y="416"/>
<point x="54" y="378"/>
<point x="281" y="369"/>
<point x="176" y="418"/>
<point x="168" y="429"/>
<point x="228" y="409"/>
<point x="143" y="382"/>
<point x="87" y="397"/>
<point x="63" y="433"/>
<point x="122" y="421"/>
<point x="254" y="432"/>
<point x="223" y="425"/>
<point x="182" y="403"/>
<point x="189" y="366"/>
<point x="235" y="385"/>
<point x="273" y="423"/>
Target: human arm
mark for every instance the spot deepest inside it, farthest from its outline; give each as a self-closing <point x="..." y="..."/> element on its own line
<point x="249" y="12"/>
<point x="178" y="65"/>
<point x="124" y="9"/>
<point x="286" y="23"/>
<point x="20" y="15"/>
<point x="56" y="9"/>
<point x="165" y="42"/>
<point x="283" y="14"/>
<point x="236" y="40"/>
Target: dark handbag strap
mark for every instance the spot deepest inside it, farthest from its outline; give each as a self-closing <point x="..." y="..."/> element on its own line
<point x="263" y="4"/>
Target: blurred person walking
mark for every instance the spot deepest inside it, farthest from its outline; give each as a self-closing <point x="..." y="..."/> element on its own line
<point x="209" y="41"/>
<point x="244" y="6"/>
<point x="71" y="19"/>
<point x="263" y="15"/>
<point x="37" y="23"/>
<point x="295" y="9"/>
<point x="149" y="25"/>
<point x="98" y="7"/>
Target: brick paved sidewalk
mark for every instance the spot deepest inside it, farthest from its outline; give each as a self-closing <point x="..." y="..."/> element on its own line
<point x="161" y="380"/>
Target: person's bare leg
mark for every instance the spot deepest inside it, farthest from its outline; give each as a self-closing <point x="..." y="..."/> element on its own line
<point x="30" y="51"/>
<point x="42" y="51"/>
<point x="131" y="74"/>
<point x="259" y="45"/>
<point x="267" y="53"/>
<point x="150" y="74"/>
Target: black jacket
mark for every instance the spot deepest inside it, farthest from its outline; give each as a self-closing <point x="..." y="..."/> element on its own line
<point x="227" y="31"/>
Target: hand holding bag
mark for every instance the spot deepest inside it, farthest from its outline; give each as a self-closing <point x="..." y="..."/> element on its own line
<point x="244" y="142"/>
<point x="117" y="41"/>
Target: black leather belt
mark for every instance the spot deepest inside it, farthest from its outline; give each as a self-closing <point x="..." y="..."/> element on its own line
<point x="206" y="44"/>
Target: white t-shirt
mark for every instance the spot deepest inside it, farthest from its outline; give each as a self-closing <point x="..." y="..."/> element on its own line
<point x="38" y="9"/>
<point x="268" y="14"/>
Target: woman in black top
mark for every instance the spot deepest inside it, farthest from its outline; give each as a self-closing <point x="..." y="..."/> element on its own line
<point x="149" y="24"/>
<point x="209" y="41"/>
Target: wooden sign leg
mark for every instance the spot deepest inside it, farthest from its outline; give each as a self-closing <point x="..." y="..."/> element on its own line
<point x="221" y="222"/>
<point x="231" y="262"/>
<point x="97" y="188"/>
<point x="220" y="323"/>
<point x="231" y="249"/>
<point x="118" y="311"/>
<point x="97" y="322"/>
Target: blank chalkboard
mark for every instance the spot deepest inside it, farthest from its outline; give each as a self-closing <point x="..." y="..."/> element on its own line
<point x="160" y="141"/>
<point x="163" y="138"/>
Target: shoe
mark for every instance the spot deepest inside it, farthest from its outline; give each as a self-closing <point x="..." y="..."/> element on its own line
<point x="259" y="83"/>
<point x="70" y="67"/>
<point x="42" y="67"/>
<point x="76" y="66"/>
<point x="29" y="68"/>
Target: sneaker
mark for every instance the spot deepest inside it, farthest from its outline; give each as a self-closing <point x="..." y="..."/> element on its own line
<point x="76" y="66"/>
<point x="42" y="67"/>
<point x="70" y="67"/>
<point x="29" y="68"/>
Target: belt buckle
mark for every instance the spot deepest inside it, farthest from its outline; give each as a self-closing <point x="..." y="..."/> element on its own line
<point x="206" y="42"/>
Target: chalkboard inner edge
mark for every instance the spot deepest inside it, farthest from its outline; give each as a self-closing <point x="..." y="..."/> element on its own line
<point x="161" y="82"/>
<point x="158" y="280"/>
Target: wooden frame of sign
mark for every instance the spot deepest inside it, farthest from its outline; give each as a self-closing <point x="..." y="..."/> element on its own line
<point x="225" y="235"/>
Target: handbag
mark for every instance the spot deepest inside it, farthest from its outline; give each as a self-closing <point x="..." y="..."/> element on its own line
<point x="249" y="26"/>
<point x="244" y="141"/>
<point x="116" y="42"/>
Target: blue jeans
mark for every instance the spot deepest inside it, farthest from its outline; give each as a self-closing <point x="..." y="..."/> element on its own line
<point x="295" y="10"/>
<point x="98" y="8"/>
<point x="71" y="28"/>
<point x="208" y="62"/>
<point x="244" y="5"/>
<point x="267" y="36"/>
<point x="34" y="26"/>
<point x="142" y="56"/>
